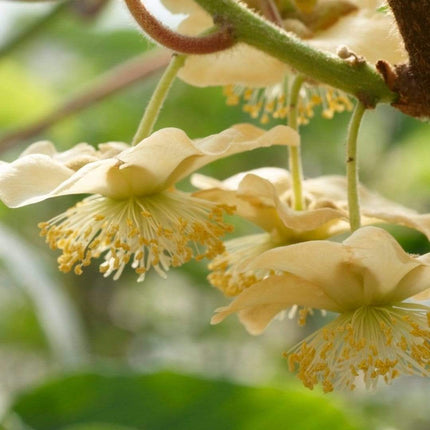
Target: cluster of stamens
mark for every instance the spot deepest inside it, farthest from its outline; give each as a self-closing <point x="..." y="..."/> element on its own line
<point x="159" y="231"/>
<point x="374" y="342"/>
<point x="302" y="314"/>
<point x="272" y="102"/>
<point x="227" y="274"/>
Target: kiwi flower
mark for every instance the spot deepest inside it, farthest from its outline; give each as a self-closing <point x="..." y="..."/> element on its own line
<point x="263" y="82"/>
<point x="378" y="335"/>
<point x="264" y="197"/>
<point x="134" y="213"/>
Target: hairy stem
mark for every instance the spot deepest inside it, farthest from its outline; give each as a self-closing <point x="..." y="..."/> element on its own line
<point x="158" y="97"/>
<point x="352" y="167"/>
<point x="222" y="38"/>
<point x="294" y="152"/>
<point x="361" y="80"/>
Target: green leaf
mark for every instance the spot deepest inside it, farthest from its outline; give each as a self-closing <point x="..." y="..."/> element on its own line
<point x="97" y="426"/>
<point x="27" y="97"/>
<point x="54" y="311"/>
<point x="101" y="49"/>
<point x="170" y="401"/>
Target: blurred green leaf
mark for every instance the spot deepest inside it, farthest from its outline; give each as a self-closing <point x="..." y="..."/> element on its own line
<point x="25" y="97"/>
<point x="101" y="49"/>
<point x="405" y="175"/>
<point x="166" y="401"/>
<point x="19" y="325"/>
<point x="54" y="311"/>
<point x="97" y="426"/>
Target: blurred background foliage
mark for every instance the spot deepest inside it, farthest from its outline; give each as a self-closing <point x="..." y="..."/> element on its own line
<point x="87" y="353"/>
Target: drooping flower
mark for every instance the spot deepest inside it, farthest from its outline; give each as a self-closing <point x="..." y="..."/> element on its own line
<point x="262" y="81"/>
<point x="134" y="214"/>
<point x="367" y="280"/>
<point x="264" y="197"/>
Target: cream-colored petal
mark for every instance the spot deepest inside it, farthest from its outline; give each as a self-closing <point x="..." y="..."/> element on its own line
<point x="44" y="147"/>
<point x="163" y="158"/>
<point x="170" y="155"/>
<point x="100" y="177"/>
<point x="76" y="151"/>
<point x="323" y="263"/>
<point x="30" y="179"/>
<point x="420" y="222"/>
<point x="328" y="188"/>
<point x="42" y="172"/>
<point x="203" y="182"/>
<point x="368" y="34"/>
<point x="253" y="205"/>
<point x="77" y="156"/>
<point x="306" y="221"/>
<point x="259" y="304"/>
<point x="243" y="135"/>
<point x="382" y="262"/>
<point x="422" y="286"/>
<point x="182" y="6"/>
<point x="415" y="285"/>
<point x="245" y="191"/>
<point x="111" y="149"/>
<point x="197" y="19"/>
<point x="279" y="178"/>
<point x="224" y="197"/>
<point x="334" y="188"/>
<point x="258" y="200"/>
<point x="260" y="193"/>
<point x="374" y="207"/>
<point x="240" y="65"/>
<point x="255" y="188"/>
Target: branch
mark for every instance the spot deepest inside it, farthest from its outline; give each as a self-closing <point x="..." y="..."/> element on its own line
<point x="361" y="80"/>
<point x="113" y="81"/>
<point x="412" y="80"/>
<point x="220" y="40"/>
<point x="413" y="20"/>
<point x="88" y="9"/>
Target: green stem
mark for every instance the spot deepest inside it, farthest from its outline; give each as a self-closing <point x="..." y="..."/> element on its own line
<point x="158" y="97"/>
<point x="31" y="30"/>
<point x="294" y="152"/>
<point x="361" y="80"/>
<point x="352" y="167"/>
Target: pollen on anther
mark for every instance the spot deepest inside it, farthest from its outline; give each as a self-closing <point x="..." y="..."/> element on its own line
<point x="356" y="345"/>
<point x="272" y="102"/>
<point x="136" y="230"/>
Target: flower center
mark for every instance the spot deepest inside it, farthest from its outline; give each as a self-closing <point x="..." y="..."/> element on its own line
<point x="159" y="231"/>
<point x="374" y="342"/>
